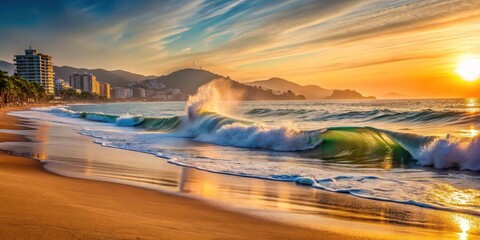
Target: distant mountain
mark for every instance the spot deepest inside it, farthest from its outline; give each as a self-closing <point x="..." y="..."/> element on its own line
<point x="132" y="76"/>
<point x="282" y="85"/>
<point x="115" y="78"/>
<point x="347" y="94"/>
<point x="189" y="80"/>
<point x="394" y="95"/>
<point x="7" y="67"/>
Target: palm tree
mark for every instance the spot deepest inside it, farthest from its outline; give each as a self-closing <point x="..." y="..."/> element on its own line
<point x="6" y="87"/>
<point x="15" y="89"/>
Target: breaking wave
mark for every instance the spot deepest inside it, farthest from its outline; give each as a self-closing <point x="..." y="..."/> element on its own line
<point x="352" y="144"/>
<point x="207" y="119"/>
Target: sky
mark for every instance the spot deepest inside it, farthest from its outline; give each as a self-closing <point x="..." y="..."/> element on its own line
<point x="373" y="46"/>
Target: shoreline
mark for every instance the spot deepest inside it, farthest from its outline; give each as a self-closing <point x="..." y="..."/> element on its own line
<point x="36" y="204"/>
<point x="334" y="216"/>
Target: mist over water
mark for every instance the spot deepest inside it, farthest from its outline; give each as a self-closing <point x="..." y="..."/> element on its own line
<point x="419" y="152"/>
<point x="207" y="122"/>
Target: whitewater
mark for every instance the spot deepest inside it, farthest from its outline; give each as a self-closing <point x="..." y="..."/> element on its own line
<point x="421" y="152"/>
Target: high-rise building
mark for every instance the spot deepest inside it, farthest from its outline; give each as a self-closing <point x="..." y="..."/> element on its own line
<point x="118" y="92"/>
<point x="105" y="90"/>
<point x="96" y="87"/>
<point x="128" y="92"/>
<point x="86" y="82"/>
<point x="75" y="81"/>
<point x="36" y="67"/>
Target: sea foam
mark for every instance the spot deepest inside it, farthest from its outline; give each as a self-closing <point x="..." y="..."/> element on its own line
<point x="410" y="186"/>
<point x="449" y="152"/>
<point x="257" y="135"/>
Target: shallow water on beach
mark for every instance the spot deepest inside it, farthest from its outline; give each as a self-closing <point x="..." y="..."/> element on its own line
<point x="65" y="152"/>
<point x="418" y="152"/>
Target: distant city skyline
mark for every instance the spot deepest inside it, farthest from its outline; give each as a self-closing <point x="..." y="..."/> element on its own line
<point x="376" y="47"/>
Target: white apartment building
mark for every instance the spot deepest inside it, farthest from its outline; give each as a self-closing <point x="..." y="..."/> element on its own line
<point x="36" y="67"/>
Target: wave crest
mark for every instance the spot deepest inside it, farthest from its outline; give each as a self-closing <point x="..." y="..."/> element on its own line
<point x="340" y="145"/>
<point x="280" y="138"/>
<point x="451" y="152"/>
<point x="128" y="120"/>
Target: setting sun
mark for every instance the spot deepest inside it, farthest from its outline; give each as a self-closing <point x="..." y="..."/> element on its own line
<point x="469" y="68"/>
<point x="208" y="119"/>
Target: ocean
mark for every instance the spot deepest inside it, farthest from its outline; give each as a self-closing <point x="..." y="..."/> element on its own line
<point x="419" y="152"/>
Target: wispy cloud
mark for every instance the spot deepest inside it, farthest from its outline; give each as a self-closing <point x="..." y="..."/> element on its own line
<point x="248" y="38"/>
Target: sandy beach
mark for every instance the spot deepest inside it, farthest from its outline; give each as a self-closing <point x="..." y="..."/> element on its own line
<point x="36" y="204"/>
<point x="39" y="204"/>
<point x="240" y="120"/>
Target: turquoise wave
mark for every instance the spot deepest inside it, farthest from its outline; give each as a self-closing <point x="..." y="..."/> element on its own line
<point x="364" y="146"/>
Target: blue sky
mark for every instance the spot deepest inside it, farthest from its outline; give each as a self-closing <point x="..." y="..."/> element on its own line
<point x="321" y="42"/>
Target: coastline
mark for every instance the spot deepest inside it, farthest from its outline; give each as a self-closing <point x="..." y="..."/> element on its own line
<point x="212" y="199"/>
<point x="36" y="204"/>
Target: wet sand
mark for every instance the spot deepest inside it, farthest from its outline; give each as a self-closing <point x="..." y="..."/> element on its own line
<point x="36" y="204"/>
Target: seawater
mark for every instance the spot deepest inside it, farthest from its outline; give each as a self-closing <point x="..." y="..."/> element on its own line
<point x="421" y="152"/>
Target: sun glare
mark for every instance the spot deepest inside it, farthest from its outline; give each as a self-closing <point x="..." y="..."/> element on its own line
<point x="464" y="225"/>
<point x="469" y="68"/>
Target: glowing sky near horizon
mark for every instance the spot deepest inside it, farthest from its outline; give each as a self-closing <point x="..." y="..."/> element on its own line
<point x="374" y="46"/>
